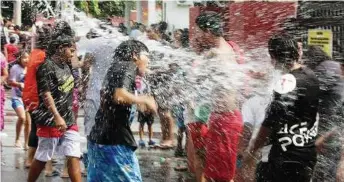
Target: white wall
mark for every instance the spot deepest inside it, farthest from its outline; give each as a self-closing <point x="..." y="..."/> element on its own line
<point x="176" y="16"/>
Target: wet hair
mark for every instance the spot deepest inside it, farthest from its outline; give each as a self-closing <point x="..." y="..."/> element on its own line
<point x="12" y="39"/>
<point x="17" y="27"/>
<point x="314" y="56"/>
<point x="284" y="49"/>
<point x="162" y="27"/>
<point x="62" y="40"/>
<point x="62" y="27"/>
<point x="127" y="49"/>
<point x="210" y="21"/>
<point x="43" y="37"/>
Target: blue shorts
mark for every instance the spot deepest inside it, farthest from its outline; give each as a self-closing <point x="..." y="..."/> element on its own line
<point x="112" y="163"/>
<point x="16" y="103"/>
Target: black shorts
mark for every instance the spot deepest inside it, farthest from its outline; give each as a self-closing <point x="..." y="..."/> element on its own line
<point x="263" y="172"/>
<point x="290" y="171"/>
<point x="145" y="118"/>
<point x="33" y="139"/>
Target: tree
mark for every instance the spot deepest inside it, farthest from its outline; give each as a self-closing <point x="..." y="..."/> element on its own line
<point x="103" y="9"/>
<point x="7" y="9"/>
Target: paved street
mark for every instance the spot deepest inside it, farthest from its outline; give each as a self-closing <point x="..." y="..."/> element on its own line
<point x="156" y="165"/>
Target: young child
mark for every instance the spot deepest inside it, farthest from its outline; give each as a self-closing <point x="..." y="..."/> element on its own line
<point x="178" y="114"/>
<point x="225" y="128"/>
<point x="16" y="80"/>
<point x="142" y="87"/>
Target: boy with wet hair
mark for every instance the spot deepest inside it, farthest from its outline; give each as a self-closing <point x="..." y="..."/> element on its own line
<point x="210" y="40"/>
<point x="56" y="128"/>
<point x="290" y="123"/>
<point x="111" y="144"/>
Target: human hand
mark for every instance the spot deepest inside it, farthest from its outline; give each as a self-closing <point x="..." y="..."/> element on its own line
<point x="319" y="144"/>
<point x="151" y="104"/>
<point x="21" y="85"/>
<point x="60" y="123"/>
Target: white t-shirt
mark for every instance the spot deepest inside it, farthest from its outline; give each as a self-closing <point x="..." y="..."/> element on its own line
<point x="17" y="74"/>
<point x="253" y="112"/>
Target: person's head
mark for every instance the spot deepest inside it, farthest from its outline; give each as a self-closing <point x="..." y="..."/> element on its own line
<point x="62" y="27"/>
<point x="162" y="27"/>
<point x="11" y="27"/>
<point x="12" y="39"/>
<point x="314" y="56"/>
<point x="62" y="47"/>
<point x="43" y="37"/>
<point x="133" y="50"/>
<point x="22" y="58"/>
<point x="142" y="27"/>
<point x="284" y="51"/>
<point x="209" y="29"/>
<point x="177" y="34"/>
<point x="17" y="28"/>
<point x="185" y="37"/>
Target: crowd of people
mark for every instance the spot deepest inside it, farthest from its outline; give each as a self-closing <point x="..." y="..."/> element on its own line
<point x="292" y="132"/>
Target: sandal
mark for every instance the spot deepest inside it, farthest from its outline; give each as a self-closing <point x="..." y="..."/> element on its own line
<point x="52" y="174"/>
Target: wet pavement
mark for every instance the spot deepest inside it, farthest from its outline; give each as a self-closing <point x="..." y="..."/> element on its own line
<point x="156" y="165"/>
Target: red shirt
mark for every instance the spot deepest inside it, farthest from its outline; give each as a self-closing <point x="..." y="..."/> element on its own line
<point x="30" y="93"/>
<point x="12" y="50"/>
<point x="222" y="144"/>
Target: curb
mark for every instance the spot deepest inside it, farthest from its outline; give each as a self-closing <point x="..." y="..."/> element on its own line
<point x="12" y="113"/>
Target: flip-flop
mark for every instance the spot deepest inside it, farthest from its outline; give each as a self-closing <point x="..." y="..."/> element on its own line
<point x="180" y="168"/>
<point x="166" y="147"/>
<point x="64" y="176"/>
<point x="53" y="174"/>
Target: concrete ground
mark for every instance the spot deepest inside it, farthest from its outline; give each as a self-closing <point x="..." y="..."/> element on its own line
<point x="156" y="165"/>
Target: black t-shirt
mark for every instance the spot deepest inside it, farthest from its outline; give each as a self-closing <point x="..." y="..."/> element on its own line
<point x="57" y="79"/>
<point x="292" y="117"/>
<point x="112" y="126"/>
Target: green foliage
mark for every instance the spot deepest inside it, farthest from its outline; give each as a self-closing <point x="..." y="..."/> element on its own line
<point x="112" y="8"/>
<point x="7" y="9"/>
<point x="103" y="9"/>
